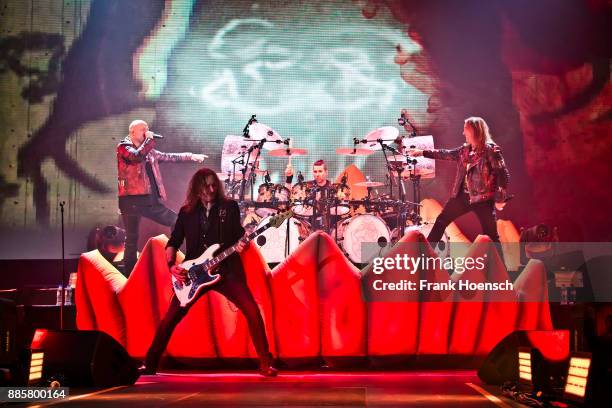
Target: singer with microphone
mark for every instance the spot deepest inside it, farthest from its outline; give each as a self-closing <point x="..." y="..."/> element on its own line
<point x="140" y="187"/>
<point x="480" y="182"/>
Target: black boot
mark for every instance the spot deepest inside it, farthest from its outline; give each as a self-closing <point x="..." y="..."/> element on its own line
<point x="149" y="367"/>
<point x="146" y="370"/>
<point x="266" y="366"/>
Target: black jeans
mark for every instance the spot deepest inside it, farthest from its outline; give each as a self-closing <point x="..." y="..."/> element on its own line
<point x="233" y="287"/>
<point x="132" y="209"/>
<point x="457" y="206"/>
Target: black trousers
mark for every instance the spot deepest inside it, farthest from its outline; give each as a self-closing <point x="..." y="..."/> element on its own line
<point x="233" y="287"/>
<point x="457" y="206"/>
<point x="131" y="212"/>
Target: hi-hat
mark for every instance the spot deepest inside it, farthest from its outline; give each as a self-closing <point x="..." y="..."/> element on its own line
<point x="369" y="184"/>
<point x="387" y="133"/>
<point x="289" y="152"/>
<point x="351" y="151"/>
<point x="259" y="131"/>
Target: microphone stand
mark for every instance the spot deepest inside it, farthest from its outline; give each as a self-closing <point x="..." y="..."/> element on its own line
<point x="61" y="204"/>
<point x="240" y="160"/>
<point x="401" y="214"/>
<point x="245" y="131"/>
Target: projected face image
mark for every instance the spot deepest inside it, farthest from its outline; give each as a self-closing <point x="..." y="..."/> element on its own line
<point x="313" y="81"/>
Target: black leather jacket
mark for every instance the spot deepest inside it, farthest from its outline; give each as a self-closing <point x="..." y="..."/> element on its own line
<point x="485" y="172"/>
<point x="222" y="227"/>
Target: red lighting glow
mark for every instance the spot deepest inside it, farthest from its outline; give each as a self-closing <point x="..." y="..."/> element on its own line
<point x="39" y="336"/>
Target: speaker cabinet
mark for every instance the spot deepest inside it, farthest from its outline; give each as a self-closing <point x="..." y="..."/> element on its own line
<point x="84" y="358"/>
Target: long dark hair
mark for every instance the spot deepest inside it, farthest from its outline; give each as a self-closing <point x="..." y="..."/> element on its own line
<point x="197" y="183"/>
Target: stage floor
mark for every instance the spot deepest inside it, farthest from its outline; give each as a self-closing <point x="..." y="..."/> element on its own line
<point x="297" y="389"/>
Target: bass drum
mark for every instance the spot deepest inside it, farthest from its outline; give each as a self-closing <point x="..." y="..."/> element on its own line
<point x="275" y="244"/>
<point x="442" y="248"/>
<point x="366" y="228"/>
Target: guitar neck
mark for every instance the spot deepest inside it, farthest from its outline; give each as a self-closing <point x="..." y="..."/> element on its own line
<point x="229" y="251"/>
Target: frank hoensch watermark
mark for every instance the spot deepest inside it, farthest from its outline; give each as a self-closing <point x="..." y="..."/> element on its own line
<point x="425" y="285"/>
<point x="403" y="263"/>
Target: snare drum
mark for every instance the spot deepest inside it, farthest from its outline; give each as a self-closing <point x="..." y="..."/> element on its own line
<point x="276" y="243"/>
<point x="271" y="193"/>
<point x="366" y="228"/>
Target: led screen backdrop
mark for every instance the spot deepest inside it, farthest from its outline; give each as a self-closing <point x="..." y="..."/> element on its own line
<point x="73" y="74"/>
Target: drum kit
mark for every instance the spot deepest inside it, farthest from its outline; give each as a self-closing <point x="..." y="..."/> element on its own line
<point x="330" y="207"/>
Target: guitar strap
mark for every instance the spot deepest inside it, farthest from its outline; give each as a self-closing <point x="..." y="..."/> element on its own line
<point x="222" y="215"/>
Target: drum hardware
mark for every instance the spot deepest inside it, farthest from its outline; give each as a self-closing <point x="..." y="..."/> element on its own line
<point x="327" y="207"/>
<point x="276" y="244"/>
<point x="261" y="137"/>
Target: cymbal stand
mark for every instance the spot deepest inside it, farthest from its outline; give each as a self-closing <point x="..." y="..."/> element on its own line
<point x="238" y="160"/>
<point x="416" y="188"/>
<point x="256" y="146"/>
<point x="401" y="213"/>
<point x="312" y="198"/>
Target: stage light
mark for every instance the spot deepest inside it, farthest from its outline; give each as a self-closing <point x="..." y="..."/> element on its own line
<point x="524" y="367"/>
<point x="36" y="367"/>
<point x="578" y="377"/>
<point x="535" y="374"/>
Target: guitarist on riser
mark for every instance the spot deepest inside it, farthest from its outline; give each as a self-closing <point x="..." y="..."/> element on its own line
<point x="209" y="218"/>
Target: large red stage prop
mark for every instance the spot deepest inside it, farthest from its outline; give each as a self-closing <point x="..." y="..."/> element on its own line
<point x="312" y="306"/>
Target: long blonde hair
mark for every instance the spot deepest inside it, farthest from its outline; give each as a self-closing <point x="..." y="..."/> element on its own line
<point x="482" y="135"/>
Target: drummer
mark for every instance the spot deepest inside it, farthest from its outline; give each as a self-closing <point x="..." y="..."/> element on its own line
<point x="319" y="174"/>
<point x="325" y="189"/>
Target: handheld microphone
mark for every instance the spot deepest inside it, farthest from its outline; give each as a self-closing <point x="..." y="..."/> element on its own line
<point x="403" y="121"/>
<point x="156" y="136"/>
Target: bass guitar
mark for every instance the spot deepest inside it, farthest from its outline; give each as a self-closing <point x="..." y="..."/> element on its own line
<point x="200" y="270"/>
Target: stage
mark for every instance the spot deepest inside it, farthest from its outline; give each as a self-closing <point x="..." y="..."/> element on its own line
<point x="298" y="389"/>
<point x="380" y="197"/>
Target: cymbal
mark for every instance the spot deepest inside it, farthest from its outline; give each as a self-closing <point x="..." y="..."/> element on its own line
<point x="289" y="152"/>
<point x="387" y="133"/>
<point x="259" y="131"/>
<point x="350" y="151"/>
<point x="369" y="184"/>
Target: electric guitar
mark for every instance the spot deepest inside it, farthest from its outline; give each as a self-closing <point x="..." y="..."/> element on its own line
<point x="199" y="270"/>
